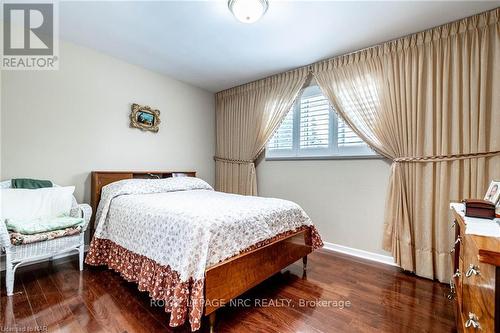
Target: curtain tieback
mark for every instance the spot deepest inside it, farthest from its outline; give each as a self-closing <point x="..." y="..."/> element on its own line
<point x="230" y="160"/>
<point x="441" y="158"/>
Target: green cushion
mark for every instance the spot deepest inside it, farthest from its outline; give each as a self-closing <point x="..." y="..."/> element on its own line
<point x="30" y="183"/>
<point x="38" y="225"/>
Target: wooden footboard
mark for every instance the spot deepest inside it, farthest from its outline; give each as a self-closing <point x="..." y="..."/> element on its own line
<point x="233" y="277"/>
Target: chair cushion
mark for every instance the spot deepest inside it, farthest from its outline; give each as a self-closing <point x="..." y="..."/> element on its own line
<point x="38" y="225"/>
<point x="28" y="183"/>
<point x="20" y="239"/>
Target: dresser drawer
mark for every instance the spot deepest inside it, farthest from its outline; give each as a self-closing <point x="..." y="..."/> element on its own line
<point x="478" y="291"/>
<point x="477" y="286"/>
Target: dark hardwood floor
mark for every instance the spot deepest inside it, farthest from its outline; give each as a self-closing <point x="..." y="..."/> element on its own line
<point x="57" y="298"/>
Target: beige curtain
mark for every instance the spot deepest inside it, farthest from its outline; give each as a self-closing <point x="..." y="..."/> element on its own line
<point x="246" y="118"/>
<point x="431" y="103"/>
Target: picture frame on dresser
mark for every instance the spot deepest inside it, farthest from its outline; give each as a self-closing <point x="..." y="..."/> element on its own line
<point x="493" y="193"/>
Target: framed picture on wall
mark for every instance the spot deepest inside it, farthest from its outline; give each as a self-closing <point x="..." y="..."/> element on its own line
<point x="145" y="118"/>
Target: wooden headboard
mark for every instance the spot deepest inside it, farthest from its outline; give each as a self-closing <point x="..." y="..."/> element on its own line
<point x="103" y="178"/>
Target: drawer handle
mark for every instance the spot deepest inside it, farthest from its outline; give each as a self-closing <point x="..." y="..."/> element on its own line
<point x="472" y="321"/>
<point x="452" y="293"/>
<point x="473" y="269"/>
<point x="458" y="240"/>
<point x="457" y="274"/>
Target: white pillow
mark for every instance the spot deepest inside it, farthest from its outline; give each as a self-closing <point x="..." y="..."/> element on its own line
<point x="17" y="203"/>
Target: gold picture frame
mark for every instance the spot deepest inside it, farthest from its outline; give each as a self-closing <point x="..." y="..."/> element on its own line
<point x="145" y="118"/>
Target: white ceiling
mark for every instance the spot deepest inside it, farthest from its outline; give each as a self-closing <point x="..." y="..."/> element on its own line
<point x="199" y="42"/>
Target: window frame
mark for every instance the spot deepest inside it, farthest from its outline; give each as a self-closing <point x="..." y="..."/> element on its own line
<point x="333" y="151"/>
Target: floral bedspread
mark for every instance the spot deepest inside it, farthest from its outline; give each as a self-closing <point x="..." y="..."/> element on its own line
<point x="177" y="227"/>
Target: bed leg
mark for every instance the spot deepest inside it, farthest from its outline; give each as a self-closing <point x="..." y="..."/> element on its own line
<point x="304" y="263"/>
<point x="211" y="320"/>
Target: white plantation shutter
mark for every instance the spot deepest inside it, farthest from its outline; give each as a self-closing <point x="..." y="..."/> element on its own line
<point x="283" y="138"/>
<point x="314" y="122"/>
<point x="313" y="129"/>
<point x="346" y="136"/>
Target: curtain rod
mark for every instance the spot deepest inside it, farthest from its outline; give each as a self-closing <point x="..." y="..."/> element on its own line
<point x="309" y="66"/>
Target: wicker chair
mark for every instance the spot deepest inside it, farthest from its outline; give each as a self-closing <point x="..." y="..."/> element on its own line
<point x="17" y="255"/>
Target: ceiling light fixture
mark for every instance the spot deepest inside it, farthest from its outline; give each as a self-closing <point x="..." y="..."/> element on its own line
<point x="248" y="11"/>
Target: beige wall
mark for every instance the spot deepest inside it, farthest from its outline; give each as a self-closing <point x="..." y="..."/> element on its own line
<point x="344" y="198"/>
<point x="60" y="125"/>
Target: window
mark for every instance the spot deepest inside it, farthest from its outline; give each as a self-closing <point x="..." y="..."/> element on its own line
<point x="313" y="129"/>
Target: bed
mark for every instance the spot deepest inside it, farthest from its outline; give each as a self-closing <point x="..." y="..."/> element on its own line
<point x="191" y="248"/>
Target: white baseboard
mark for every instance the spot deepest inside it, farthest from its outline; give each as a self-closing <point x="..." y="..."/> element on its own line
<point x="388" y="260"/>
<point x="61" y="256"/>
<point x="380" y="258"/>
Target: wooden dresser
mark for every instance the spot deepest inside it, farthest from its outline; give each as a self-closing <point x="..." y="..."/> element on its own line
<point x="475" y="284"/>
